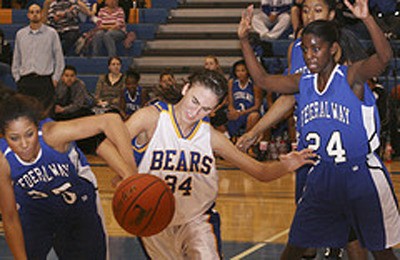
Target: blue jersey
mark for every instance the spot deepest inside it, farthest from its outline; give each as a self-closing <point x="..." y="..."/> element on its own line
<point x="53" y="183"/>
<point x="132" y="104"/>
<point x="334" y="122"/>
<point x="243" y="96"/>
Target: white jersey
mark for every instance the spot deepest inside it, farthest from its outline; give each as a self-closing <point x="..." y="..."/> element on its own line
<point x="186" y="163"/>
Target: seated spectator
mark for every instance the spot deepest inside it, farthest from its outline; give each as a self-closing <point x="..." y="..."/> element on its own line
<point x="211" y="63"/>
<point x="63" y="16"/>
<point x="109" y="88"/>
<point x="133" y="96"/>
<point x="167" y="89"/>
<point x="272" y="19"/>
<point x="72" y="98"/>
<point x="110" y="28"/>
<point x="244" y="101"/>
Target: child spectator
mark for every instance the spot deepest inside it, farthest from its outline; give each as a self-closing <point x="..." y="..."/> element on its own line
<point x="72" y="98"/>
<point x="244" y="101"/>
<point x="133" y="95"/>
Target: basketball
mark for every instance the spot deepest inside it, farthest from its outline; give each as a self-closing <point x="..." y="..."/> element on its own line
<point x="143" y="205"/>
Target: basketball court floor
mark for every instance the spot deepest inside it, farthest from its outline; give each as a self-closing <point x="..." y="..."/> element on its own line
<point x="255" y="216"/>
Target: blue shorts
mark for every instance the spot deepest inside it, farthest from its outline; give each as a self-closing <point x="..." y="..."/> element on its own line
<point x="301" y="178"/>
<point x="357" y="194"/>
<point x="77" y="233"/>
<point x="234" y="126"/>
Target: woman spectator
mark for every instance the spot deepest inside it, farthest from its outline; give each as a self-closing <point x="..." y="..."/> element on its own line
<point x="109" y="87"/>
<point x="110" y="28"/>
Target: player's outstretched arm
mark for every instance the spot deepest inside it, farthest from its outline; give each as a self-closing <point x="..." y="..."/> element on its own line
<point x="274" y="115"/>
<point x="375" y="64"/>
<point x="11" y="221"/>
<point x="267" y="171"/>
<point x="60" y="134"/>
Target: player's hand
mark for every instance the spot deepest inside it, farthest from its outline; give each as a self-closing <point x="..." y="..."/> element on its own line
<point x="245" y="22"/>
<point x="295" y="159"/>
<point x="246" y="140"/>
<point x="359" y="8"/>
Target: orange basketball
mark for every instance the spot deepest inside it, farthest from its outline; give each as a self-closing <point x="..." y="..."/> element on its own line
<point x="143" y="205"/>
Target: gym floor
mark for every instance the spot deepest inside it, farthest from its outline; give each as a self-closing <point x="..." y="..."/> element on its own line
<point x="255" y="216"/>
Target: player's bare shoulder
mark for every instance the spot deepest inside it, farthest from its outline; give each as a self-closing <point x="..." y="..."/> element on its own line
<point x="143" y="120"/>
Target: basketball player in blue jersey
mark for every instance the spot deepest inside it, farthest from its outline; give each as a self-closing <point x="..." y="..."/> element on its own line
<point x="179" y="149"/>
<point x="244" y="100"/>
<point x="346" y="187"/>
<point x="350" y="51"/>
<point x="48" y="194"/>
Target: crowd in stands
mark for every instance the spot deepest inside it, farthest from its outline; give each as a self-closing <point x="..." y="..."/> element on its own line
<point x="56" y="27"/>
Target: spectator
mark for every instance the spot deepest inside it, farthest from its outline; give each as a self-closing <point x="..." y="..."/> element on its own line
<point x="244" y="100"/>
<point x="109" y="87"/>
<point x="110" y="28"/>
<point x="63" y="16"/>
<point x="211" y="63"/>
<point x="272" y="19"/>
<point x="133" y="96"/>
<point x="72" y="98"/>
<point x="167" y="89"/>
<point x="38" y="59"/>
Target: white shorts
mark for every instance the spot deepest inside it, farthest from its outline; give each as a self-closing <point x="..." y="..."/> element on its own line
<point x="195" y="240"/>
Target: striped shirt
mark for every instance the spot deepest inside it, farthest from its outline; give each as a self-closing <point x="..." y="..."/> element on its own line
<point x="109" y="16"/>
<point x="70" y="21"/>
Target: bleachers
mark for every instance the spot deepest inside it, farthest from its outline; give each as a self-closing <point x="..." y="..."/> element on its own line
<point x="168" y="34"/>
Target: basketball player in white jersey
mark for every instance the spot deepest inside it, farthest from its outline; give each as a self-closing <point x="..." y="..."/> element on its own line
<point x="180" y="150"/>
